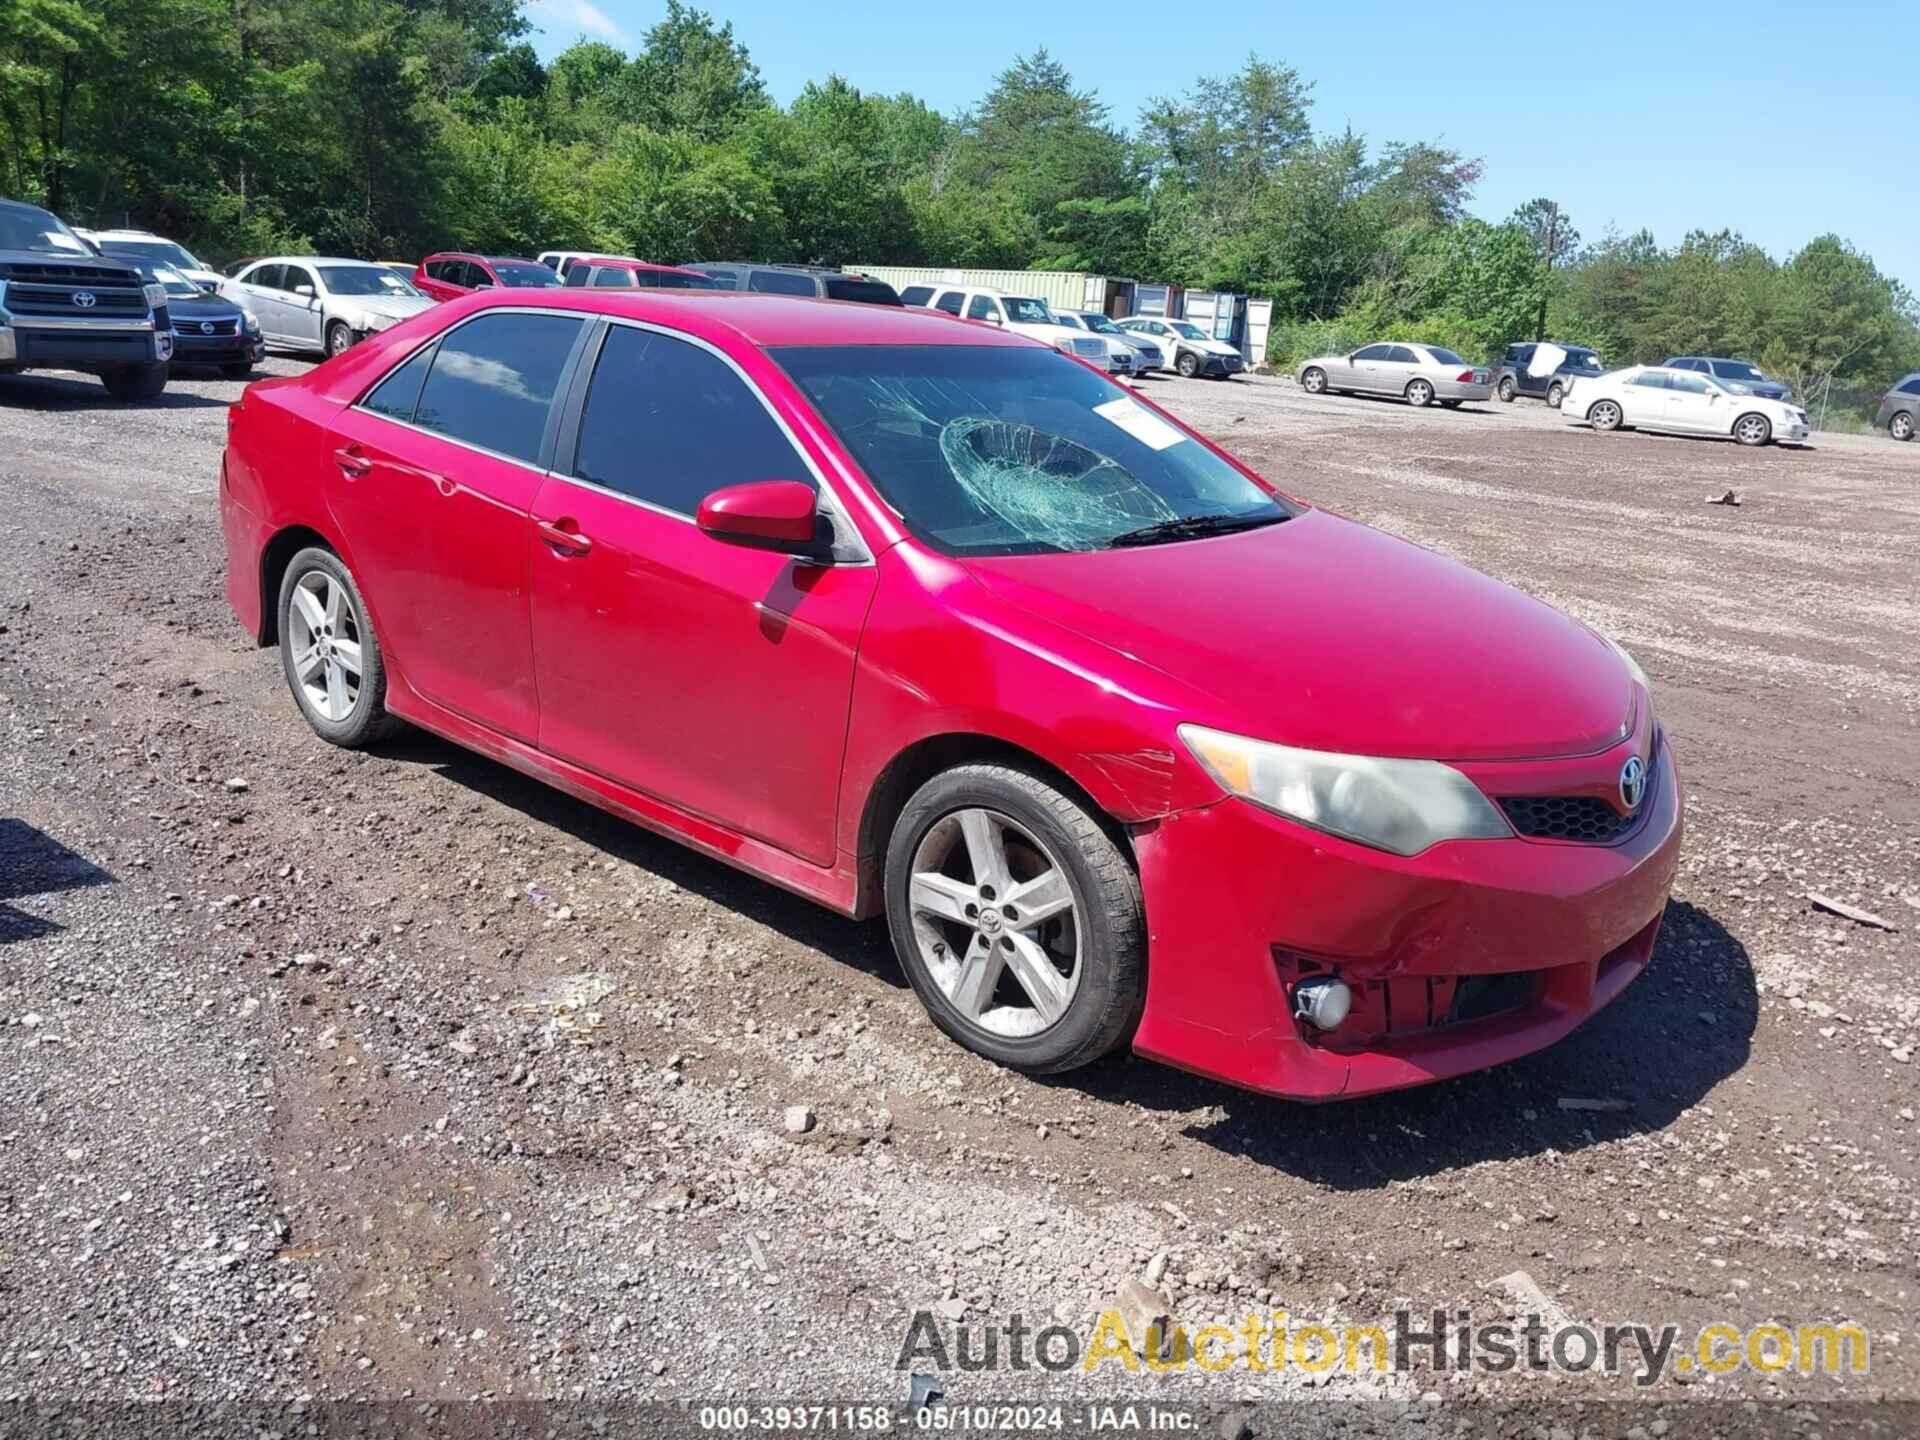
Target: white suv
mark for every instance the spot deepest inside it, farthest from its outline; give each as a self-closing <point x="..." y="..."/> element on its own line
<point x="149" y="246"/>
<point x="1023" y="315"/>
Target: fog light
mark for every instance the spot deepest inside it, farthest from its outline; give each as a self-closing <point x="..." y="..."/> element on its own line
<point x="1323" y="1003"/>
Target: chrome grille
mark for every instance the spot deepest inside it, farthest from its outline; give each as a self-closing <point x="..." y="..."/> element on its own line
<point x="51" y="290"/>
<point x="190" y="327"/>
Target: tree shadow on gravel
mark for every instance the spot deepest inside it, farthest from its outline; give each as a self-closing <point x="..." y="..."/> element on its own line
<point x="1680" y="1029"/>
<point x="861" y="945"/>
<point x="50" y="392"/>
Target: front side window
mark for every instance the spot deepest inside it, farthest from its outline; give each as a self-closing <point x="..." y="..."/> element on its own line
<point x="1582" y="360"/>
<point x="298" y="276"/>
<point x="1028" y="312"/>
<point x="669" y="422"/>
<point x="493" y="381"/>
<point x="1912" y="387"/>
<point x="1373" y="352"/>
<point x="990" y="451"/>
<point x="1692" y="384"/>
<point x="981" y="307"/>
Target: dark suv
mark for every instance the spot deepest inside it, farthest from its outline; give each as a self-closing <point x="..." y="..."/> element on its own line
<point x="1739" y="376"/>
<point x="62" y="307"/>
<point x="814" y="280"/>
<point x="1511" y="375"/>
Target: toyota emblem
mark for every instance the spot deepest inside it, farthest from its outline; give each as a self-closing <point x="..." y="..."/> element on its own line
<point x="85" y="299"/>
<point x="1633" y="783"/>
<point x="206" y="327"/>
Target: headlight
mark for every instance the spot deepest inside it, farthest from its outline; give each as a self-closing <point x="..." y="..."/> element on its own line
<point x="374" y="323"/>
<point x="156" y="296"/>
<point x="1402" y="806"/>
<point x="1064" y="345"/>
<point x="250" y="321"/>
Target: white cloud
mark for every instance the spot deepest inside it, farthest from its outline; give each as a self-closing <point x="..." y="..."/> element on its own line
<point x="581" y="15"/>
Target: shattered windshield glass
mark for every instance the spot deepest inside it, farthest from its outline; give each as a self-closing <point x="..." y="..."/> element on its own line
<point x="986" y="450"/>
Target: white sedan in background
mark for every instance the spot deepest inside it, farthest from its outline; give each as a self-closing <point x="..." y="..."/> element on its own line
<point x="1680" y="402"/>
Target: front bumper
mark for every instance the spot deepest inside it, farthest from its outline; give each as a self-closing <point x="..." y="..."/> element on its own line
<point x="1469" y="955"/>
<point x="1221" y="364"/>
<point x="194" y="349"/>
<point x="72" y="346"/>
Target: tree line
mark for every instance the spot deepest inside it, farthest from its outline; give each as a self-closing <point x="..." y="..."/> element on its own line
<point x="387" y="128"/>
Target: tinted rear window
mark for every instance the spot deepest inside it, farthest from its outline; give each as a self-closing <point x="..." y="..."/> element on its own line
<point x="868" y="292"/>
<point x="1445" y="357"/>
<point x="916" y="294"/>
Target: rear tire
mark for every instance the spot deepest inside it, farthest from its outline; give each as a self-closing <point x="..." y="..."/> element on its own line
<point x="1753" y="430"/>
<point x="1604" y="415"/>
<point x="1419" y="394"/>
<point x="1507" y="391"/>
<point x="329" y="653"/>
<point x="1094" y="945"/>
<point x="1314" y="381"/>
<point x="1900" y="426"/>
<point x="136" y="382"/>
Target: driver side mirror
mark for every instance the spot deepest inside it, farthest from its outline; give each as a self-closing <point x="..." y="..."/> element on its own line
<point x="304" y="291"/>
<point x="778" y="515"/>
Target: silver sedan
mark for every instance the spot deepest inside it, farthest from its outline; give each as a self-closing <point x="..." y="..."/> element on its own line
<point x="1419" y="374"/>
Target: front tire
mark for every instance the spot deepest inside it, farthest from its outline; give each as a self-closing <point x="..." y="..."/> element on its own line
<point x="1556" y="392"/>
<point x="136" y="382"/>
<point x="1900" y="427"/>
<point x="1314" y="381"/>
<point x="1605" y="415"/>
<point x="329" y="653"/>
<point x="1188" y="364"/>
<point x="1017" y="919"/>
<point x="1753" y="430"/>
<point x="1419" y="394"/>
<point x="1507" y="391"/>
<point x="339" y="338"/>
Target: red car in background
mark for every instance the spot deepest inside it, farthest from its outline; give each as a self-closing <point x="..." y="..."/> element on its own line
<point x="933" y="621"/>
<point x="614" y="272"/>
<point x="454" y="273"/>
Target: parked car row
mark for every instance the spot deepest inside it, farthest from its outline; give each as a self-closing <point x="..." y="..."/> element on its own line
<point x="1688" y="394"/>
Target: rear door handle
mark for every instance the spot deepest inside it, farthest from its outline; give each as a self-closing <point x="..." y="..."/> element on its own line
<point x="562" y="540"/>
<point x="349" y="459"/>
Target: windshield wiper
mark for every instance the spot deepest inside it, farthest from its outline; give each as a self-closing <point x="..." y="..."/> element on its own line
<point x="1192" y="527"/>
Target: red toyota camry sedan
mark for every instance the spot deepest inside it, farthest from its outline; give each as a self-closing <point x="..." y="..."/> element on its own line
<point x="934" y="621"/>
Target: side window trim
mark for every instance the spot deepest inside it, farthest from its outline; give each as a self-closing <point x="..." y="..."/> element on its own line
<point x="543" y="464"/>
<point x="850" y="547"/>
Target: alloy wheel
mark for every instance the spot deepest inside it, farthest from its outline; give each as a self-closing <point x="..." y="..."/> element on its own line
<point x="1420" y="394"/>
<point x="995" y="922"/>
<point x="1753" y="430"/>
<point x="1313" y="382"/>
<point x="1901" y="426"/>
<point x="1605" y="416"/>
<point x="324" y="629"/>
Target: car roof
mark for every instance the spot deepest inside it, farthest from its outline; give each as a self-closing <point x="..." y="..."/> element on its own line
<point x="314" y="260"/>
<point x="757" y="319"/>
<point x="620" y="262"/>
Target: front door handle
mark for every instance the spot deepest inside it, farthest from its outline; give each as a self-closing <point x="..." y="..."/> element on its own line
<point x="563" y="540"/>
<point x="349" y="459"/>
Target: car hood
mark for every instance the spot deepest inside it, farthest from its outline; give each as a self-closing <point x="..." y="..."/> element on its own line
<point x="201" y="307"/>
<point x="1326" y="634"/>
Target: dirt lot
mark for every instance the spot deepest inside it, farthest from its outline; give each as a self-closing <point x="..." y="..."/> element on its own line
<point x="398" y="1075"/>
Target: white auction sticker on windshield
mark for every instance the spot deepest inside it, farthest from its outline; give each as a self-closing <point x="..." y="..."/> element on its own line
<point x="1141" y="423"/>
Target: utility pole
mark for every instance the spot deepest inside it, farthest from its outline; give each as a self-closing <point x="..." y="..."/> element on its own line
<point x="1553" y="225"/>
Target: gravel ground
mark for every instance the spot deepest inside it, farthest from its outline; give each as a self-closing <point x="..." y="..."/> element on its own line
<point x="386" y="1076"/>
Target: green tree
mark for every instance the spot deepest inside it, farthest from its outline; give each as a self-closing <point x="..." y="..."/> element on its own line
<point x="691" y="77"/>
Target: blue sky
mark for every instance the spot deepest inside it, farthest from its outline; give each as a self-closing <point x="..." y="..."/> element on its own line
<point x="1782" y="122"/>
